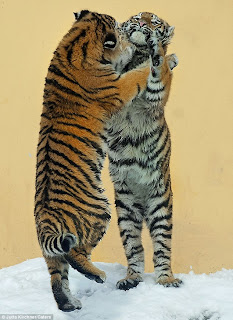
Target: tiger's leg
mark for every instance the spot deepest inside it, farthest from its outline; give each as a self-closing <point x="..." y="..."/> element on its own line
<point x="159" y="222"/>
<point x="80" y="260"/>
<point x="130" y="224"/>
<point x="58" y="269"/>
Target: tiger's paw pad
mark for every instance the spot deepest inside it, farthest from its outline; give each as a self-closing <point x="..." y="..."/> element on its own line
<point x="68" y="306"/>
<point x="126" y="284"/>
<point x="176" y="283"/>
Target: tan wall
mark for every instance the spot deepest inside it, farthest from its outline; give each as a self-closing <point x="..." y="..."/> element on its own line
<point x="199" y="113"/>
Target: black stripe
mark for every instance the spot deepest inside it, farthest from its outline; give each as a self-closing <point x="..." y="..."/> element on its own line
<point x="58" y="217"/>
<point x="106" y="88"/>
<point x="45" y="115"/>
<point x="163" y="245"/>
<point x="55" y="245"/>
<point x="55" y="70"/>
<point x="84" y="49"/>
<point x="138" y="141"/>
<point x="161" y="254"/>
<point x="161" y="218"/>
<point x="156" y="154"/>
<point x="82" y="156"/>
<point x="103" y="216"/>
<point x="127" y="237"/>
<point x="120" y="204"/>
<point x="72" y="30"/>
<point x="55" y="272"/>
<point x="122" y="191"/>
<point x="62" y="88"/>
<point x="162" y="159"/>
<point x="85" y="140"/>
<point x="130" y="219"/>
<point x="78" y="183"/>
<point x="80" y="169"/>
<point x="161" y="226"/>
<point x="70" y="115"/>
<point x="69" y="48"/>
<point x="51" y="224"/>
<point x="129" y="162"/>
<point x="154" y="143"/>
<point x="105" y="75"/>
<point x="43" y="137"/>
<point x="78" y="126"/>
<point x="134" y="251"/>
<point x="62" y="212"/>
<point x="75" y="196"/>
<point x="155" y="91"/>
<point x="163" y="235"/>
<point x="47" y="243"/>
<point x="41" y="132"/>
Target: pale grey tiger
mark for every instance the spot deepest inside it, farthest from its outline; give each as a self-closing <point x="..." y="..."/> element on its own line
<point x="139" y="149"/>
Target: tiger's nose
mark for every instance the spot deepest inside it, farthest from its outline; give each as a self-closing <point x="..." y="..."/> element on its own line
<point x="142" y="23"/>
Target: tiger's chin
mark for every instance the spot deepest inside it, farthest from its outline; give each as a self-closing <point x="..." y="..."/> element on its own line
<point x="138" y="38"/>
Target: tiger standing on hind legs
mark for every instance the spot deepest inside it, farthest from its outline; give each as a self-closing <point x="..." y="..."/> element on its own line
<point x="82" y="90"/>
<point x="139" y="148"/>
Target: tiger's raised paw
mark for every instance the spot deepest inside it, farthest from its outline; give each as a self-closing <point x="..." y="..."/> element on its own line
<point x="128" y="283"/>
<point x="172" y="61"/>
<point x="171" y="282"/>
<point x="155" y="50"/>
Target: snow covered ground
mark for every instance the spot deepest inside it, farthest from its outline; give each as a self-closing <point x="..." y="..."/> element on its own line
<point x="25" y="289"/>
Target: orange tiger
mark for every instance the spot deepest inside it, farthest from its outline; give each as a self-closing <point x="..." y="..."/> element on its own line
<point x="82" y="90"/>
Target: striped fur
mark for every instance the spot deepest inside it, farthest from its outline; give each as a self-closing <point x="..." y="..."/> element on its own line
<point x="82" y="90"/>
<point x="139" y="150"/>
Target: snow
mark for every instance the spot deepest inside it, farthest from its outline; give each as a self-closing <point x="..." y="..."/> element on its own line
<point x="25" y="289"/>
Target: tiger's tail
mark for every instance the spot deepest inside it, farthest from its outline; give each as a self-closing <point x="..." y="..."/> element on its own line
<point x="53" y="242"/>
<point x="65" y="245"/>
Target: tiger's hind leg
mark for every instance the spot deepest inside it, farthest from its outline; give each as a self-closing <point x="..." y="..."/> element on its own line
<point x="130" y="225"/>
<point x="159" y="222"/>
<point x="80" y="260"/>
<point x="58" y="269"/>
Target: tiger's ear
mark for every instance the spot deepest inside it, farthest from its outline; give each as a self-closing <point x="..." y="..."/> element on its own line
<point x="79" y="15"/>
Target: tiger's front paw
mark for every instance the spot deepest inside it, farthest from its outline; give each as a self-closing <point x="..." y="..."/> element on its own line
<point x="170" y="282"/>
<point x="172" y="61"/>
<point x="155" y="50"/>
<point x="127" y="283"/>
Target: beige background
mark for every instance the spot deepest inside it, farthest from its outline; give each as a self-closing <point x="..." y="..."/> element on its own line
<point x="199" y="113"/>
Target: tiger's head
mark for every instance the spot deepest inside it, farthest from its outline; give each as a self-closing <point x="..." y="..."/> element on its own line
<point x="95" y="38"/>
<point x="139" y="27"/>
